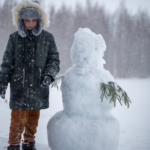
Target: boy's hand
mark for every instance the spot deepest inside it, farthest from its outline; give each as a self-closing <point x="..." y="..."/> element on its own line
<point x="46" y="82"/>
<point x="2" y="92"/>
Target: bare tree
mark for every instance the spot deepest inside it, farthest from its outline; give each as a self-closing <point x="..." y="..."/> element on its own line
<point x="127" y="36"/>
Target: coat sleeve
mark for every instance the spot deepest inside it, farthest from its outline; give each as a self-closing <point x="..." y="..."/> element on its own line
<point x="53" y="62"/>
<point x="6" y="67"/>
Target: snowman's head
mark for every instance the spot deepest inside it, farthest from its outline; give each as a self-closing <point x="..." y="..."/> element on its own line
<point x="87" y="49"/>
<point x="82" y="51"/>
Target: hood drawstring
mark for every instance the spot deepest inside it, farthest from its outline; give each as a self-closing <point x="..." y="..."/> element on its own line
<point x="23" y="61"/>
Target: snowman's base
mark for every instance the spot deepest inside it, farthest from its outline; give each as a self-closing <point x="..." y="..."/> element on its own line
<point x="77" y="133"/>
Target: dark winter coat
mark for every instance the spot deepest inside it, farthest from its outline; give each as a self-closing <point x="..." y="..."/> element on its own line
<point x="25" y="62"/>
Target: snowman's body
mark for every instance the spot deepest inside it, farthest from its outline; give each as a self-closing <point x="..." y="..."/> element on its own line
<point x="86" y="123"/>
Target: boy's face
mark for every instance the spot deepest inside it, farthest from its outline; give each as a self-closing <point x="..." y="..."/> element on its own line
<point x="30" y="23"/>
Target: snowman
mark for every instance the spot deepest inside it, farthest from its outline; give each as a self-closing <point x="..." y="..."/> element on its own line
<point x="86" y="122"/>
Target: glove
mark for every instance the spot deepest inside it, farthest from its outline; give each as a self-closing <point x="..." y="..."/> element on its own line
<point x="2" y="92"/>
<point x="46" y="82"/>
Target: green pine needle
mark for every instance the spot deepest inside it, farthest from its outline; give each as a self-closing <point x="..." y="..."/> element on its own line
<point x="55" y="83"/>
<point x="115" y="93"/>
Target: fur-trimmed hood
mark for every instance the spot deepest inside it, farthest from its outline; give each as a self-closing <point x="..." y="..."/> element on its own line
<point x="44" y="17"/>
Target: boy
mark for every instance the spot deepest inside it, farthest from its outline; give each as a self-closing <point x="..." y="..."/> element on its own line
<point x="30" y="64"/>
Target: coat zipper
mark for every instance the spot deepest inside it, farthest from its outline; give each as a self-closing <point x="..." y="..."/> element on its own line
<point x="40" y="76"/>
<point x="23" y="76"/>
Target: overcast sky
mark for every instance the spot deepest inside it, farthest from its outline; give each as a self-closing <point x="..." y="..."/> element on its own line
<point x="110" y="5"/>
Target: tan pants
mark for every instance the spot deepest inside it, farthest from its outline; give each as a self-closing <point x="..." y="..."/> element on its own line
<point x="23" y="120"/>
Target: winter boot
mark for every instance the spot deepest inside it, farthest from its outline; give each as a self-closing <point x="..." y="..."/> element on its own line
<point x="30" y="145"/>
<point x="13" y="147"/>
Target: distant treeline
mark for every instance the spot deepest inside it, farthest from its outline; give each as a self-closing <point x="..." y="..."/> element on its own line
<point x="127" y="36"/>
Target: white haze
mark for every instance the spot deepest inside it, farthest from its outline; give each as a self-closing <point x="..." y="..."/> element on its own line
<point x="111" y="6"/>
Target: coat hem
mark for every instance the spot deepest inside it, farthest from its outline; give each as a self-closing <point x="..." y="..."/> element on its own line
<point x="29" y="109"/>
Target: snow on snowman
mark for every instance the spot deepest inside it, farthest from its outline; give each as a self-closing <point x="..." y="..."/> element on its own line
<point x="89" y="93"/>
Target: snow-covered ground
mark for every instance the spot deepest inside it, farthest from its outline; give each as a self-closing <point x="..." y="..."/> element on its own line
<point x="134" y="122"/>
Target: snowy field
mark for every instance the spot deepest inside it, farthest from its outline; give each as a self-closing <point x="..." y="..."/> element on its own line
<point x="134" y="122"/>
